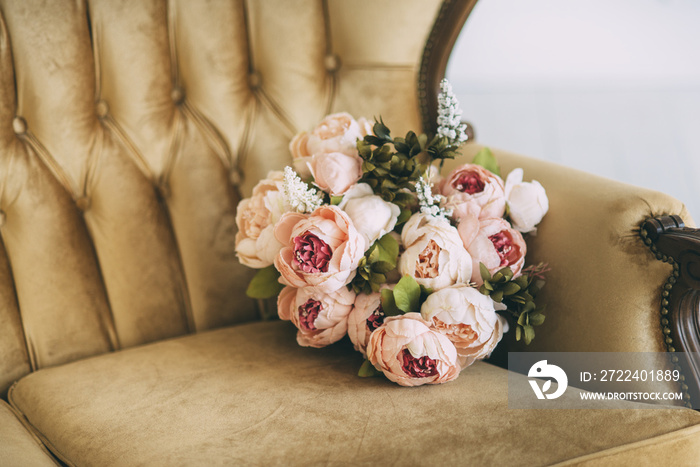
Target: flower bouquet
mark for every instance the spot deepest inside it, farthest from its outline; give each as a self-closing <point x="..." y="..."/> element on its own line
<point x="365" y="238"/>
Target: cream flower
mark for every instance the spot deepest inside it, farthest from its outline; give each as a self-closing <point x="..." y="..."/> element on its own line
<point x="471" y="184"/>
<point x="434" y="254"/>
<point x="527" y="201"/>
<point x="256" y="246"/>
<point x="321" y="318"/>
<point x="468" y="318"/>
<point x="372" y="216"/>
<point x="409" y="353"/>
<point x="321" y="249"/>
<point x="494" y="243"/>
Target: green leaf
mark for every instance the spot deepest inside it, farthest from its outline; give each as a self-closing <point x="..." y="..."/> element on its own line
<point x="518" y="333"/>
<point x="486" y="159"/>
<point x="404" y="216"/>
<point x="367" y="370"/>
<point x="407" y="295"/>
<point x="529" y="334"/>
<point x="388" y="303"/>
<point x="264" y="284"/>
<point x="335" y="200"/>
<point x="536" y="319"/>
<point x="485" y="274"/>
<point x="510" y="288"/>
<point x="389" y="249"/>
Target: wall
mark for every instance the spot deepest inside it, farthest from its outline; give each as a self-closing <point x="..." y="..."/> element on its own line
<point x="608" y="86"/>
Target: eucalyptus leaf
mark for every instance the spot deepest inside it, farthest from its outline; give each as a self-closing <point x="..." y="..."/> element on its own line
<point x="529" y="334"/>
<point x="264" y="284"/>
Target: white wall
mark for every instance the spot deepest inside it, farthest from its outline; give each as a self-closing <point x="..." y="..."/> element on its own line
<point x="608" y="86"/>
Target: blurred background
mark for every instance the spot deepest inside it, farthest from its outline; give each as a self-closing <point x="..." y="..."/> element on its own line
<point x="611" y="87"/>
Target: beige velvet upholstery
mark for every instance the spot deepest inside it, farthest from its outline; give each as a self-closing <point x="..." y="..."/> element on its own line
<point x="18" y="446"/>
<point x="129" y="130"/>
<point x="250" y="395"/>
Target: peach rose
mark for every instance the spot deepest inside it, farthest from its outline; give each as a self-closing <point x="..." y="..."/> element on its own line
<point x="256" y="246"/>
<point x="321" y="318"/>
<point x="434" y="253"/>
<point x="365" y="318"/>
<point x="335" y="172"/>
<point x="527" y="201"/>
<point x="471" y="184"/>
<point x="409" y="353"/>
<point x="468" y="318"/>
<point x="494" y="243"/>
<point x="320" y="250"/>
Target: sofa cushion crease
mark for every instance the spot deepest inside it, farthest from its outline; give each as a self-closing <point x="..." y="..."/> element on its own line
<point x="249" y="394"/>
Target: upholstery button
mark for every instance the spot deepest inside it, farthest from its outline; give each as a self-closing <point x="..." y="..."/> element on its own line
<point x="102" y="108"/>
<point x="235" y="177"/>
<point x="19" y="125"/>
<point x="177" y="95"/>
<point x="254" y="80"/>
<point x="83" y="203"/>
<point x="331" y="62"/>
<point x="163" y="190"/>
<point x="2" y="218"/>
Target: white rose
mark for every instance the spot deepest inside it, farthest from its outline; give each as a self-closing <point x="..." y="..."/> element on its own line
<point x="371" y="215"/>
<point x="527" y="201"/>
<point x="468" y="318"/>
<point x="435" y="255"/>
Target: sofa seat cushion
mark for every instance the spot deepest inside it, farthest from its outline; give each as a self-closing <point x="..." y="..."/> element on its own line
<point x="250" y="395"/>
<point x="18" y="446"/>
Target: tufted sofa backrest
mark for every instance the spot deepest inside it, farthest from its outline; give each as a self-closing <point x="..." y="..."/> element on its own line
<point x="130" y="129"/>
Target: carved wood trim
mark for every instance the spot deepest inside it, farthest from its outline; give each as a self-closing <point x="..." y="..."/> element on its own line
<point x="448" y="24"/>
<point x="672" y="242"/>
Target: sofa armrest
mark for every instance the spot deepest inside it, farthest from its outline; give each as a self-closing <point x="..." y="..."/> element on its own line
<point x="671" y="241"/>
<point x="603" y="293"/>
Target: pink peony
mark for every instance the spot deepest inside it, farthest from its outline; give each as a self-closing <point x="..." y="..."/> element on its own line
<point x="468" y="318"/>
<point x="365" y="318"/>
<point x="335" y="172"/>
<point x="300" y="154"/>
<point x="409" y="353"/>
<point x="321" y="318"/>
<point x="434" y="253"/>
<point x="320" y="250"/>
<point x="471" y="185"/>
<point x="494" y="243"/>
<point x="256" y="246"/>
<point x="335" y="133"/>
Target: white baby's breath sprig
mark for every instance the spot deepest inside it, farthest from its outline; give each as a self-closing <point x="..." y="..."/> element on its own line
<point x="449" y="115"/>
<point x="430" y="203"/>
<point x="298" y="196"/>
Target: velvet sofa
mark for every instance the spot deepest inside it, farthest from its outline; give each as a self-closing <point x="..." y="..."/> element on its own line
<point x="129" y="131"/>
